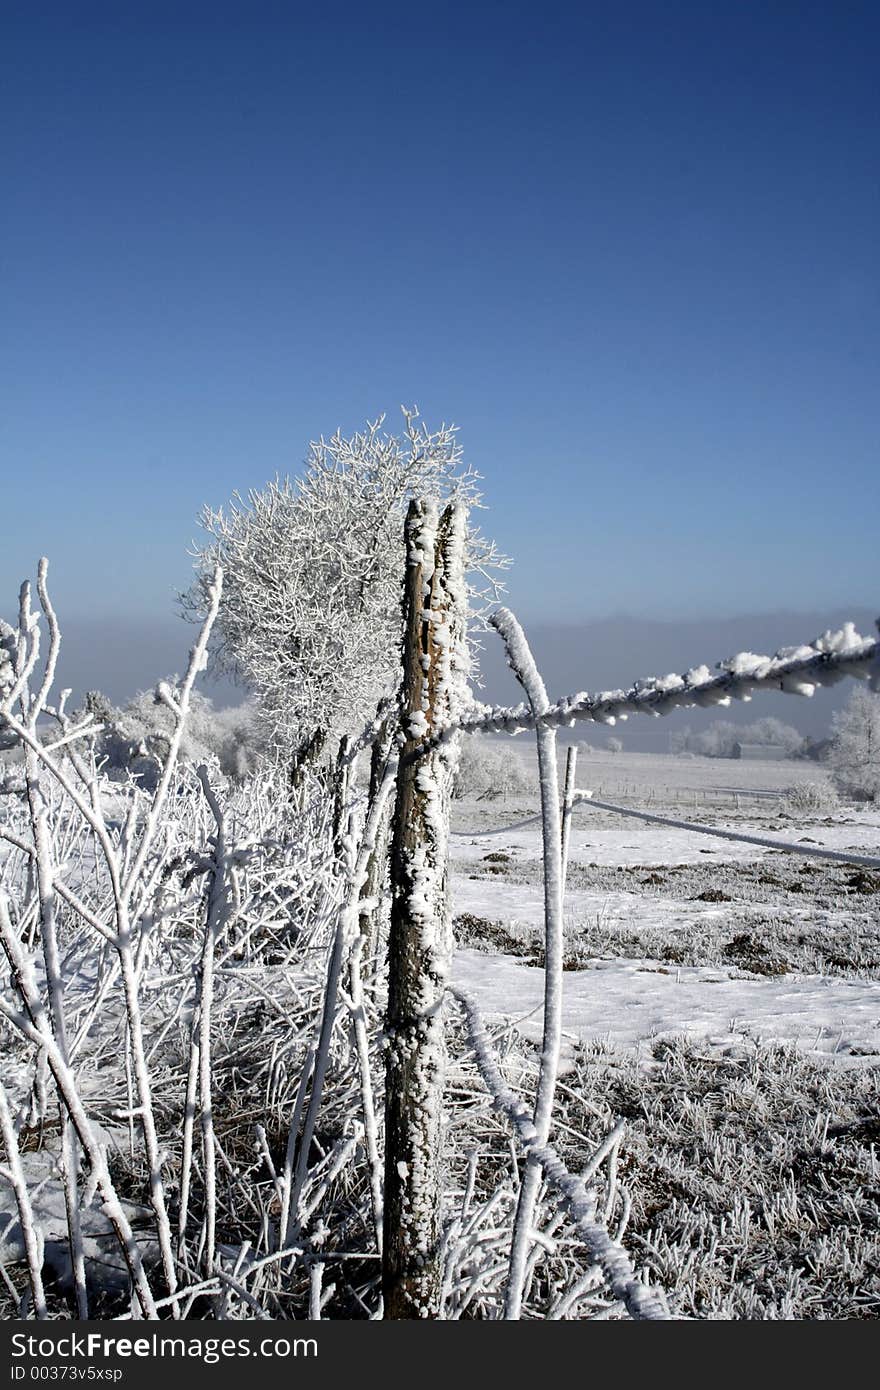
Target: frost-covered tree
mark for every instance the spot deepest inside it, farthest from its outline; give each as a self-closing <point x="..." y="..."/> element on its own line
<point x="310" y="620"/>
<point x="614" y="745"/>
<point x="716" y="741"/>
<point x="488" y="770"/>
<point x="774" y="731"/>
<point x="854" y="754"/>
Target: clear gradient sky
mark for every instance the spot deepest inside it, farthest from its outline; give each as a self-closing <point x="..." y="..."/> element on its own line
<point x="632" y="249"/>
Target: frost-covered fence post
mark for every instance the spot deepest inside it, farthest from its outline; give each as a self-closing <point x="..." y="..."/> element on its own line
<point x="568" y="799"/>
<point x="435" y="666"/>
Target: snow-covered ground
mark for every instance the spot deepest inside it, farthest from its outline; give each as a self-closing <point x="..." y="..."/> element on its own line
<point x="675" y="932"/>
<point x="624" y="1003"/>
<point x="669" y="776"/>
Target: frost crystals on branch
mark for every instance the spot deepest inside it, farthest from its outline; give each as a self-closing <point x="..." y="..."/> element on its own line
<point x="522" y="663"/>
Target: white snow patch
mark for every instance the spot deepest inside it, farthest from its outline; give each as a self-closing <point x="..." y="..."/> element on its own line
<point x="628" y="1003"/>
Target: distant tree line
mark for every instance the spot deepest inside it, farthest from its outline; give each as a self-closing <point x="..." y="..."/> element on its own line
<point x="720" y="738"/>
<point x="851" y="753"/>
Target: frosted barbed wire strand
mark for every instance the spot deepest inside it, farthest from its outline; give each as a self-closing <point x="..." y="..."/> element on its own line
<point x="786" y="846"/>
<point x="522" y="664"/>
<point x="793" y="670"/>
<point x="502" y="830"/>
<point x="579" y="1201"/>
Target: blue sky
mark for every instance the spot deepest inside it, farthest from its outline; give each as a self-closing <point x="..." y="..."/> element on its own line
<point x="630" y="248"/>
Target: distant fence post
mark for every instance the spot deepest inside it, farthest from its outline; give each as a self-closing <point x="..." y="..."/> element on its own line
<point x="420" y="939"/>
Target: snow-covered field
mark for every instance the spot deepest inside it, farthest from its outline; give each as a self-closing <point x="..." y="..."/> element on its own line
<point x="722" y="1000"/>
<point x="675" y="932"/>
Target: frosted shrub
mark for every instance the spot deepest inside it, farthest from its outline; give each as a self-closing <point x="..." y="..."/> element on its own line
<point x="819" y="796"/>
<point x="487" y="770"/>
<point x="136" y="738"/>
<point x="614" y="745"/>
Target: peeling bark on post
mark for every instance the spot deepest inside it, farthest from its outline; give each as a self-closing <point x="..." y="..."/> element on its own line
<point x="435" y="666"/>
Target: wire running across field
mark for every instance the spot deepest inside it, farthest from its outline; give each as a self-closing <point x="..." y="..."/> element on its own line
<point x="785" y="846"/>
<point x="793" y="670"/>
<point x="584" y="798"/>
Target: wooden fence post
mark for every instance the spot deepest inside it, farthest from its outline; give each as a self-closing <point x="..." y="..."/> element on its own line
<point x="435" y="669"/>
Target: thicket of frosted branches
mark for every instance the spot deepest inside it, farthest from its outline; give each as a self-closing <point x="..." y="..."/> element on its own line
<point x="192" y="1020"/>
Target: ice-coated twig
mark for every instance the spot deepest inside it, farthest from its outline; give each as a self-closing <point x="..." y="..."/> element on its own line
<point x="343" y="937"/>
<point x="580" y="1202"/>
<point x="35" y="1025"/>
<point x="189" y="1113"/>
<point x="292" y="1136"/>
<point x="214" y="925"/>
<point x="31" y="1235"/>
<point x="32" y="707"/>
<point x="180" y="707"/>
<point x="522" y="663"/>
<point x="360" y="875"/>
